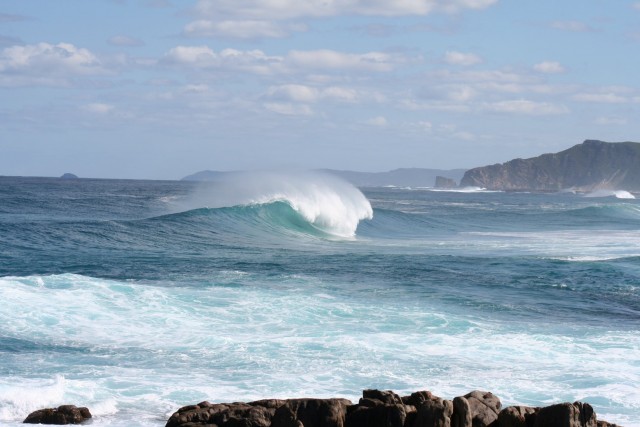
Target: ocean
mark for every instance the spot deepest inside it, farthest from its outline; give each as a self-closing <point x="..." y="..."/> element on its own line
<point x="134" y="298"/>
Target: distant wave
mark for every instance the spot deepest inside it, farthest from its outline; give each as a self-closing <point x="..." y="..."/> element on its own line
<point x="618" y="194"/>
<point x="620" y="211"/>
<point x="464" y="190"/>
<point x="326" y="202"/>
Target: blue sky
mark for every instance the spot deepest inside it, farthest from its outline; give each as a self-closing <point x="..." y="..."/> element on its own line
<point x="162" y="88"/>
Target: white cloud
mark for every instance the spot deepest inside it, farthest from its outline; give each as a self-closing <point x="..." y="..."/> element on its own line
<point x="340" y="94"/>
<point x="460" y="58"/>
<point x="289" y="9"/>
<point x="334" y="60"/>
<point x="256" y="61"/>
<point x="526" y="107"/>
<point x="46" y="64"/>
<point x="294" y="92"/>
<point x="239" y="29"/>
<point x="121" y="40"/>
<point x="48" y="58"/>
<point x="605" y="98"/>
<point x="98" y="108"/>
<point x="461" y="93"/>
<point x="497" y="76"/>
<point x="289" y="109"/>
<point x="573" y="26"/>
<point x="198" y="55"/>
<point x="549" y="67"/>
<point x="611" y="121"/>
<point x="378" y="121"/>
<point x="465" y="136"/>
<point x="308" y="94"/>
<point x="425" y="125"/>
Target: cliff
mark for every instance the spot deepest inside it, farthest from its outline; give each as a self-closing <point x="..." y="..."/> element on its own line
<point x="589" y="166"/>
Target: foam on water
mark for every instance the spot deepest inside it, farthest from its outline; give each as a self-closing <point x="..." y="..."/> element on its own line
<point x="618" y="194"/>
<point x="532" y="296"/>
<point x="329" y="203"/>
<point x="137" y="351"/>
<point x="563" y="244"/>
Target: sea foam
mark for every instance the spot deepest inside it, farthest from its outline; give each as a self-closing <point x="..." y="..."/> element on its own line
<point x="618" y="194"/>
<point x="325" y="201"/>
<point x="155" y="348"/>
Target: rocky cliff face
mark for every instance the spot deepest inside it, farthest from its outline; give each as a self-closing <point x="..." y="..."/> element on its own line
<point x="589" y="166"/>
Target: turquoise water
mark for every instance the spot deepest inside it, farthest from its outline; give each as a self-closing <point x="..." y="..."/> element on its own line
<point x="137" y="297"/>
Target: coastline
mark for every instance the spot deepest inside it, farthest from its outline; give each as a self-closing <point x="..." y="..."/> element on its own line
<point x="376" y="408"/>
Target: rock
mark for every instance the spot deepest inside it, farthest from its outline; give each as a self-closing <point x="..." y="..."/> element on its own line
<point x="576" y="414"/>
<point x="311" y="413"/>
<point x="517" y="416"/>
<point x="379" y="408"/>
<point x="443" y="182"/>
<point x="602" y="423"/>
<point x="461" y="413"/>
<point x="418" y="398"/>
<point x="484" y="406"/>
<point x="254" y="414"/>
<point x="65" y="414"/>
<point x="69" y="176"/>
<point x="435" y="412"/>
<point x="376" y="408"/>
<point x="379" y="416"/>
<point x="386" y="397"/>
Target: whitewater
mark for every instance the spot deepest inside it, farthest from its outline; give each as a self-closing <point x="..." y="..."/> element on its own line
<point x="135" y="298"/>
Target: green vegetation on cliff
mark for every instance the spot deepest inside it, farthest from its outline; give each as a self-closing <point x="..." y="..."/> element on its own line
<point x="589" y="166"/>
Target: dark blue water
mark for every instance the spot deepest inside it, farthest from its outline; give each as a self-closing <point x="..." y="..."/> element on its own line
<point x="137" y="297"/>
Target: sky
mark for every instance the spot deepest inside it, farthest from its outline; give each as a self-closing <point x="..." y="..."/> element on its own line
<point x="159" y="89"/>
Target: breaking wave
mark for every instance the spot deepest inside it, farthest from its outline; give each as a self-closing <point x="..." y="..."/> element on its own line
<point x="618" y="194"/>
<point x="299" y="199"/>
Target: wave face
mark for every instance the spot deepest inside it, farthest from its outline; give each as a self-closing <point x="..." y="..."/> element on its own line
<point x="135" y="298"/>
<point x="326" y="202"/>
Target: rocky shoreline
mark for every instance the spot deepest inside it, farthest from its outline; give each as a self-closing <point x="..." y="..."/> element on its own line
<point x="379" y="408"/>
<point x="376" y="408"/>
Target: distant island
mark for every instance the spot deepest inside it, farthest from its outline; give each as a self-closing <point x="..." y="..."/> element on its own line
<point x="592" y="165"/>
<point x="69" y="176"/>
<point x="406" y="177"/>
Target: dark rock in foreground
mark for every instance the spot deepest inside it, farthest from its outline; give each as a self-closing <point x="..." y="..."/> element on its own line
<point x="379" y="408"/>
<point x="62" y="415"/>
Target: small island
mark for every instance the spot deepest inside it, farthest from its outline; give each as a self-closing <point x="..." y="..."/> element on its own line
<point x="69" y="176"/>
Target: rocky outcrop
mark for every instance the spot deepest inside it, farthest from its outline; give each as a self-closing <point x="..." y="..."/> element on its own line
<point x="576" y="414"/>
<point x="252" y="414"/>
<point x="378" y="408"/>
<point x="517" y="416"/>
<point x="442" y="182"/>
<point x="311" y="413"/>
<point x="484" y="407"/>
<point x="62" y="415"/>
<point x="592" y="165"/>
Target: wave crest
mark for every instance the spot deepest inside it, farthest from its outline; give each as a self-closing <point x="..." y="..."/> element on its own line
<point x="328" y="203"/>
<point x="618" y="194"/>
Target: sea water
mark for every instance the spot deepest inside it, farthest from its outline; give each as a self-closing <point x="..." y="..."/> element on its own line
<point x="134" y="298"/>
